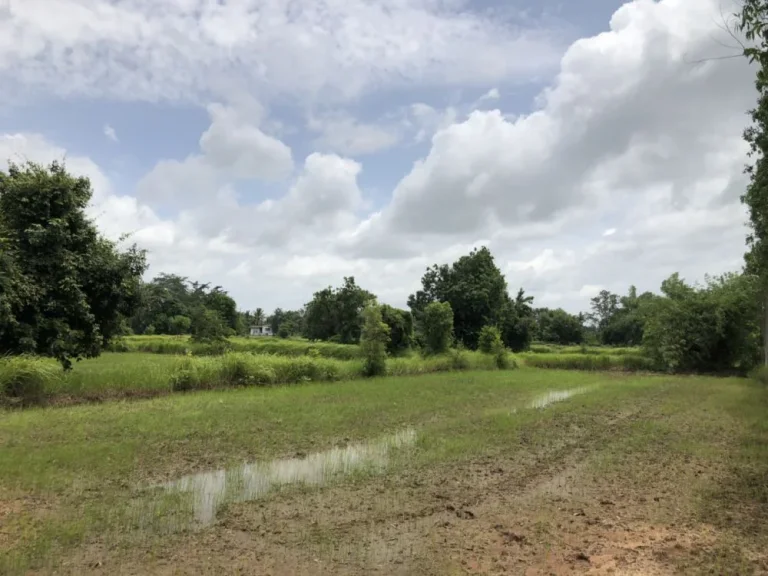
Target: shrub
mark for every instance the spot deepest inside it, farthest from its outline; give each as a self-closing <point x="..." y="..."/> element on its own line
<point x="459" y="359"/>
<point x="373" y="341"/>
<point x="490" y="339"/>
<point x="438" y="327"/>
<point x="26" y="378"/>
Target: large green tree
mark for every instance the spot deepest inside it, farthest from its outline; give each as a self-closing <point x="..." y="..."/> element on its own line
<point x="335" y="313"/>
<point x="712" y="328"/>
<point x="558" y="326"/>
<point x="753" y="22"/>
<point x="473" y="286"/>
<point x="64" y="288"/>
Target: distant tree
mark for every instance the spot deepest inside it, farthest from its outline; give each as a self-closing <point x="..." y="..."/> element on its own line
<point x="473" y="286"/>
<point x="619" y="321"/>
<point x="286" y="323"/>
<point x="219" y="301"/>
<point x="400" y="323"/>
<point x="438" y="327"/>
<point x="208" y="326"/>
<point x="373" y="340"/>
<point x="180" y="325"/>
<point x="712" y="328"/>
<point x="335" y="313"/>
<point x="558" y="326"/>
<point x="64" y="289"/>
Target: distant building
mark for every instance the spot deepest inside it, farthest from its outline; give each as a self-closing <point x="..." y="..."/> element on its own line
<point x="261" y="331"/>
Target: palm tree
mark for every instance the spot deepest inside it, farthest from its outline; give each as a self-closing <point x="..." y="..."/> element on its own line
<point x="523" y="303"/>
<point x="258" y="317"/>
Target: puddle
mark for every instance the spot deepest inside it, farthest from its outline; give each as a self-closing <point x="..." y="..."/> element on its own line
<point x="211" y="490"/>
<point x="555" y="396"/>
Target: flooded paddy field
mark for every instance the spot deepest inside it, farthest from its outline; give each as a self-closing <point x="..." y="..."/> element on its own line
<point x="524" y="472"/>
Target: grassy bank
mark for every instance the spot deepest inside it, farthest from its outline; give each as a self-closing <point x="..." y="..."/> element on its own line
<point x="112" y="375"/>
<point x="591" y="362"/>
<point x="485" y="465"/>
<point x="181" y="345"/>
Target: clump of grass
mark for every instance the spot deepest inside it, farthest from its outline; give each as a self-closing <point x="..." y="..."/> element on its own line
<point x="244" y="369"/>
<point x="628" y="363"/>
<point x="27" y="379"/>
<point x="179" y="345"/>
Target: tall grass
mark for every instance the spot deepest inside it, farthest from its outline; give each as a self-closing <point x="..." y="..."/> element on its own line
<point x="26" y="379"/>
<point x="29" y="380"/>
<point x="180" y="345"/>
<point x="563" y="361"/>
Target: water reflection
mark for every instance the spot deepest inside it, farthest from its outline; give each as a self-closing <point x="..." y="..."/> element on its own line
<point x="555" y="396"/>
<point x="211" y="490"/>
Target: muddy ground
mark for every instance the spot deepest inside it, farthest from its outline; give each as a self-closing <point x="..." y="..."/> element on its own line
<point x="587" y="494"/>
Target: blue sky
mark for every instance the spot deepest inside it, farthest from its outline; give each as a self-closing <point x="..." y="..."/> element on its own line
<point x="274" y="147"/>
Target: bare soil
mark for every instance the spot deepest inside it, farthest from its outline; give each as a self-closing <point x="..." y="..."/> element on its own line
<point x="546" y="506"/>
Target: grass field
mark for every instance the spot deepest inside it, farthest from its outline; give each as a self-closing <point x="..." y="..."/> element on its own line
<point x="526" y="471"/>
<point x="143" y="375"/>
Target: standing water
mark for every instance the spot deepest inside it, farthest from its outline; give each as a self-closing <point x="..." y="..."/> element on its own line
<point x="249" y="481"/>
<point x="555" y="396"/>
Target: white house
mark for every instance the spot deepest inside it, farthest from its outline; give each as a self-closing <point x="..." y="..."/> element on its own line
<point x="261" y="331"/>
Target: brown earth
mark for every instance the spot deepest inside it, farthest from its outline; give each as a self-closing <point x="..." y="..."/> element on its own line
<point x="546" y="508"/>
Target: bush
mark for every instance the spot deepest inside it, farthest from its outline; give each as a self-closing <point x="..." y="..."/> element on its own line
<point x="760" y="374"/>
<point x="438" y="327"/>
<point x="459" y="359"/>
<point x="490" y="339"/>
<point x="373" y="341"/>
<point x="26" y="379"/>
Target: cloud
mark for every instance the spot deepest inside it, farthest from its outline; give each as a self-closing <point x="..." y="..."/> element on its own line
<point x="343" y="134"/>
<point x="638" y="134"/>
<point x="193" y="51"/>
<point x="110" y="133"/>
<point x="232" y="148"/>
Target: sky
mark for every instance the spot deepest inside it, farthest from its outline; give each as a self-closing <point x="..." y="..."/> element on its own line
<point x="273" y="147"/>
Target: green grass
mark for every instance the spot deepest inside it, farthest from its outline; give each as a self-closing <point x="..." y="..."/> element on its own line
<point x="70" y="475"/>
<point x="592" y="362"/>
<point x="121" y="375"/>
<point x="179" y="345"/>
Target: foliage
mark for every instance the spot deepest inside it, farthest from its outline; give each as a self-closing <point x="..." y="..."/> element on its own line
<point x="437" y="327"/>
<point x="64" y="288"/>
<point x="169" y="297"/>
<point x="26" y="378"/>
<point x="620" y="320"/>
<point x="287" y="323"/>
<point x="709" y="329"/>
<point x="336" y="313"/>
<point x="490" y="339"/>
<point x="477" y="292"/>
<point x="374" y="340"/>
<point x="400" y="323"/>
<point x="558" y="326"/>
<point x="517" y="324"/>
<point x="753" y="22"/>
<point x="208" y="326"/>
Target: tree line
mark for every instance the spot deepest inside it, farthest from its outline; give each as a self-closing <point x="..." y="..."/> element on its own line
<point x="66" y="291"/>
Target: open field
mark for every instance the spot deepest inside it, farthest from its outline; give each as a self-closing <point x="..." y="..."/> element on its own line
<point x="529" y="471"/>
